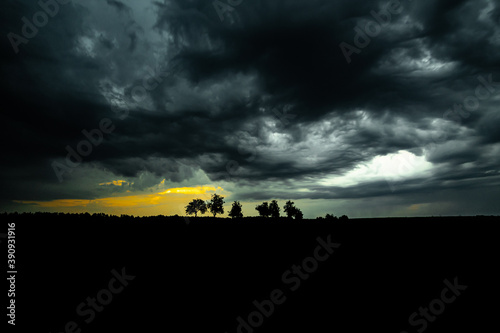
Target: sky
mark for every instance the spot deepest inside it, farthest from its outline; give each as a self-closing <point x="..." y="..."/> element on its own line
<point x="362" y="108"/>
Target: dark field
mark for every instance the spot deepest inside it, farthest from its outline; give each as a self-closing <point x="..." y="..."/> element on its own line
<point x="202" y="275"/>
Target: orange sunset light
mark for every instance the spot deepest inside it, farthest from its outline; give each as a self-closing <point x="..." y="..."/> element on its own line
<point x="167" y="202"/>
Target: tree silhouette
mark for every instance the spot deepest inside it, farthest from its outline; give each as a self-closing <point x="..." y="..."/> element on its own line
<point x="236" y="210"/>
<point x="195" y="206"/>
<point x="292" y="211"/>
<point x="263" y="209"/>
<point x="274" y="209"/>
<point x="331" y="217"/>
<point x="344" y="218"/>
<point x="216" y="204"/>
<point x="289" y="209"/>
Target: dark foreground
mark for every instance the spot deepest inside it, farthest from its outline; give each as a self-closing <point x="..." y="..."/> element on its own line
<point x="78" y="273"/>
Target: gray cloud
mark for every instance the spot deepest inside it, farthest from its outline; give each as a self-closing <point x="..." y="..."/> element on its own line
<point x="204" y="95"/>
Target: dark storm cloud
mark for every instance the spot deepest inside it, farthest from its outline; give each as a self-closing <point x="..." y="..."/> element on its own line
<point x="223" y="88"/>
<point x="294" y="48"/>
<point x="120" y="6"/>
<point x="47" y="98"/>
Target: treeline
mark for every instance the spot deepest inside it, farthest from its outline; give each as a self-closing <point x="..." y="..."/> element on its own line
<point x="266" y="210"/>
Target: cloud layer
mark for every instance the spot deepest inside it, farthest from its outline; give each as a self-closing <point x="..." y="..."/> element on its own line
<point x="258" y="98"/>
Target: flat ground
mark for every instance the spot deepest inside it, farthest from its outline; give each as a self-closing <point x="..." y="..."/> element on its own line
<point x="202" y="275"/>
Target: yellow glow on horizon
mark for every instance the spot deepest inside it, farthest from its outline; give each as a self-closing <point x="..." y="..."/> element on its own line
<point x="115" y="182"/>
<point x="171" y="201"/>
<point x="191" y="190"/>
